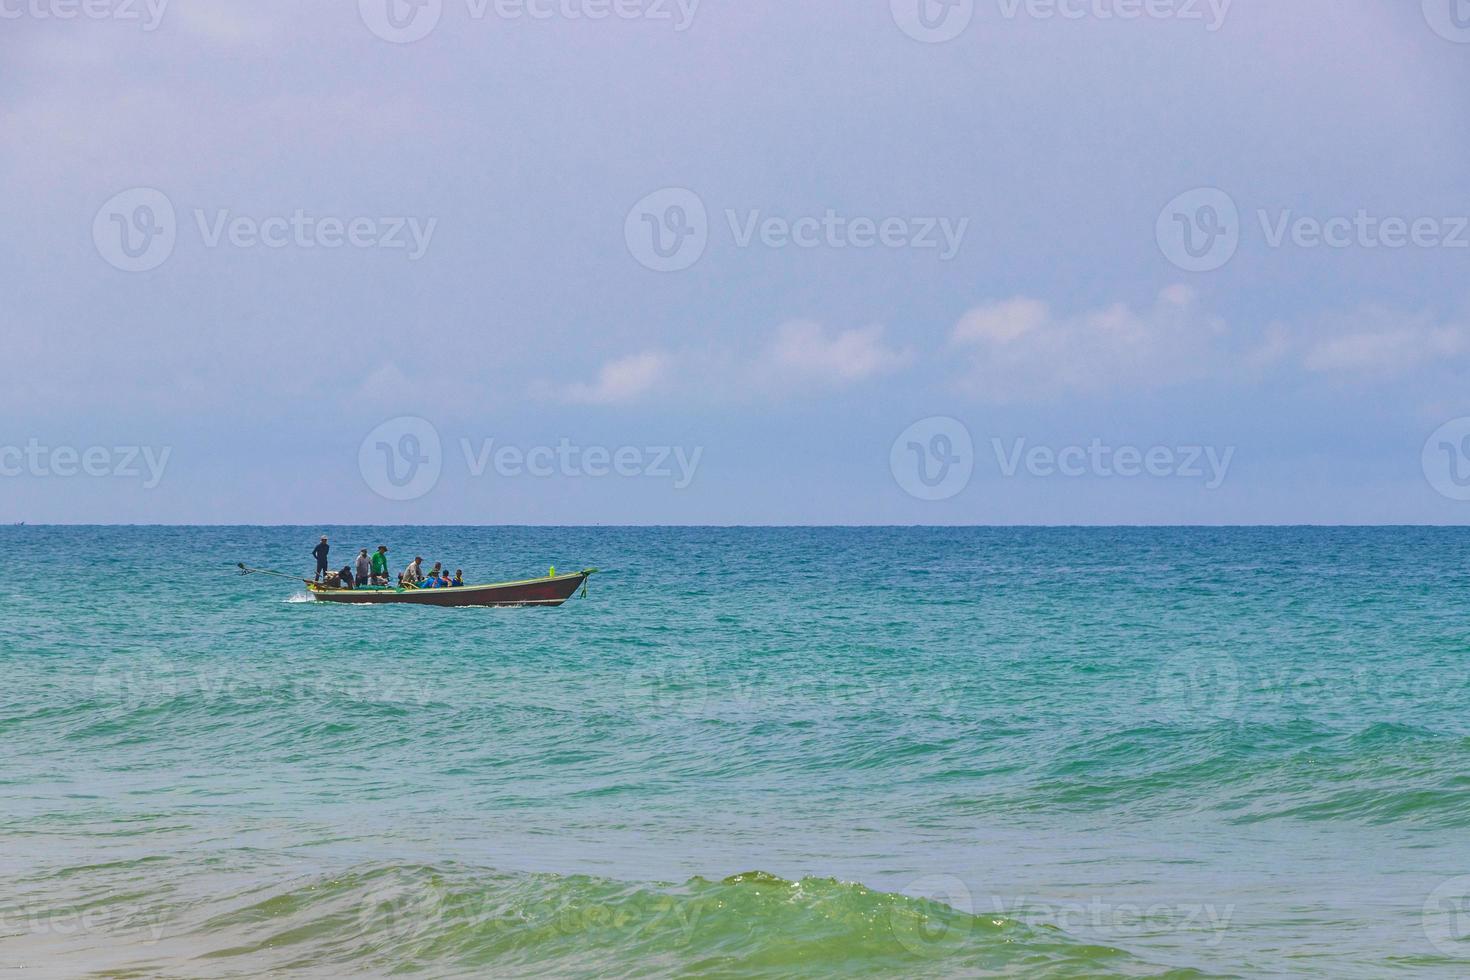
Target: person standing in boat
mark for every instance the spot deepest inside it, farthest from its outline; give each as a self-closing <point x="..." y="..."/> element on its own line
<point x="380" y="565"/>
<point x="320" y="554"/>
<point x="364" y="569"/>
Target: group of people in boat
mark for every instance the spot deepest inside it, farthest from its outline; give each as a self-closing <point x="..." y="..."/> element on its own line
<point x="368" y="571"/>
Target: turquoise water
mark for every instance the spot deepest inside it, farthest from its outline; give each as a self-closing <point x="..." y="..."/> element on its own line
<point x="749" y="752"/>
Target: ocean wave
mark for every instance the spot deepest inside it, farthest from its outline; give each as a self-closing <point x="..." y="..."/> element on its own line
<point x="1380" y="773"/>
<point x="453" y="921"/>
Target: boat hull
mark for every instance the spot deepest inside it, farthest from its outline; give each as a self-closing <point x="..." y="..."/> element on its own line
<point x="534" y="592"/>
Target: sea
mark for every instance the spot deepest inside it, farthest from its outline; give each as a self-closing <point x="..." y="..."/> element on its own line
<point x="746" y="752"/>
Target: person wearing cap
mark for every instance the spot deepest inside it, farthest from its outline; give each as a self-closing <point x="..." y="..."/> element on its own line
<point x="414" y="573"/>
<point x="364" y="568"/>
<point x="380" y="565"/>
<point x="320" y="554"/>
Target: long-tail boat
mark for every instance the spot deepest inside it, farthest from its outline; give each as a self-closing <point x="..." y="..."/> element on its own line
<point x="552" y="590"/>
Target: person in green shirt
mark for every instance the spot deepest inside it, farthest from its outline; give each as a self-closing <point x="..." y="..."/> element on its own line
<point x="380" y="565"/>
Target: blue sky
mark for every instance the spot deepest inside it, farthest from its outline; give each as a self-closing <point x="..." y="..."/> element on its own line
<point x="280" y="265"/>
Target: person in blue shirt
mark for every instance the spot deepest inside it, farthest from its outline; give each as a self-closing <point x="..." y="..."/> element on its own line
<point x="458" y="581"/>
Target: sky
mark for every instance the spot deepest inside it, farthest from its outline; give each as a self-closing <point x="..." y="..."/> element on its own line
<point x="704" y="262"/>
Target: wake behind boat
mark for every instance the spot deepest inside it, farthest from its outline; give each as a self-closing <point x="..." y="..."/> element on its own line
<point x="552" y="590"/>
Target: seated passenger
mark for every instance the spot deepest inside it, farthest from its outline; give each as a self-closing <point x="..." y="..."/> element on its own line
<point x="458" y="582"/>
<point x="413" y="575"/>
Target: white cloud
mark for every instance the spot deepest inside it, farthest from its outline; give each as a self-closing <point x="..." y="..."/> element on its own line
<point x="387" y="385"/>
<point x="1001" y="322"/>
<point x="804" y="348"/>
<point x="800" y="355"/>
<point x="1021" y="348"/>
<point x="623" y="380"/>
<point x="1376" y="343"/>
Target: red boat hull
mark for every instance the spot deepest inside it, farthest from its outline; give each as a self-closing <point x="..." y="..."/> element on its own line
<point x="534" y="592"/>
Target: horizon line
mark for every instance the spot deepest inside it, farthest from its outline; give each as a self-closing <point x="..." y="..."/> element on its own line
<point x="740" y="526"/>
